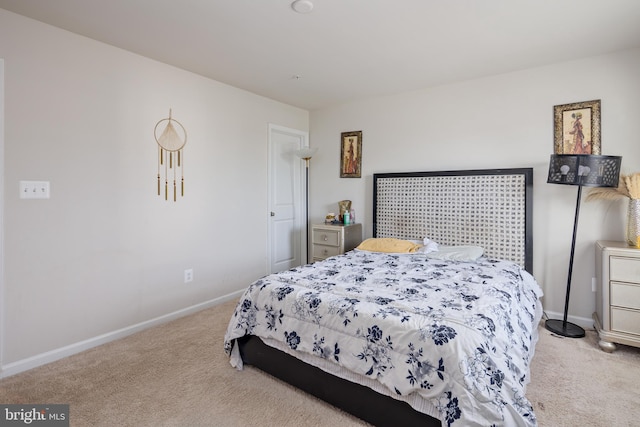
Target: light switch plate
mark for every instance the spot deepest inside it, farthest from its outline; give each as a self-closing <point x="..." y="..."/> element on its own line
<point x="34" y="190"/>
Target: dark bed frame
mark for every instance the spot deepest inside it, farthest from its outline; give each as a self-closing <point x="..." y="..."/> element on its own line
<point x="491" y="208"/>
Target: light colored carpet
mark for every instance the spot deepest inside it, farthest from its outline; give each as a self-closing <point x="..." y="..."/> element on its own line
<point x="574" y="383"/>
<point x="177" y="374"/>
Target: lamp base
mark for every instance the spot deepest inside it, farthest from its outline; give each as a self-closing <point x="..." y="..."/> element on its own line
<point x="566" y="329"/>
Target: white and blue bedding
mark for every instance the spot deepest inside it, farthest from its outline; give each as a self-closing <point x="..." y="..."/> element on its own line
<point x="458" y="336"/>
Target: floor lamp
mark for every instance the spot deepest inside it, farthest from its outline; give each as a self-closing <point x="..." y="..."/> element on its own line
<point x="581" y="170"/>
<point x="306" y="154"/>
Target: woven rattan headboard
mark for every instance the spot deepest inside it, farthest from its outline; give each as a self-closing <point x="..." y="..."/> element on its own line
<point x="488" y="208"/>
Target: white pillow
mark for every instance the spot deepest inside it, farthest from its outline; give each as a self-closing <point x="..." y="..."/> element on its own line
<point x="457" y="253"/>
<point x="426" y="245"/>
<point x="429" y="246"/>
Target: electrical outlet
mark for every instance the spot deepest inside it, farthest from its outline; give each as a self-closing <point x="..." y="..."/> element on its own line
<point x="34" y="190"/>
<point x="188" y="275"/>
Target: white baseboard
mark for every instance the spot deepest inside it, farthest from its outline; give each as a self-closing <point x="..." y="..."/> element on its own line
<point x="60" y="353"/>
<point x="584" y="322"/>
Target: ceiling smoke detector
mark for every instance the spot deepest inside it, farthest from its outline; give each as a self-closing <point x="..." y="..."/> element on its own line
<point x="302" y="6"/>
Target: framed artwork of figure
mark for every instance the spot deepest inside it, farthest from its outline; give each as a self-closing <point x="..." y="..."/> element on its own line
<point x="577" y="128"/>
<point x="351" y="154"/>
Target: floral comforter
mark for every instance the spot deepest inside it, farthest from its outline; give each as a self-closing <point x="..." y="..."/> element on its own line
<point x="461" y="335"/>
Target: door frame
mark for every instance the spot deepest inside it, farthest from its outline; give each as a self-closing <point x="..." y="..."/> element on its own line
<point x="300" y="208"/>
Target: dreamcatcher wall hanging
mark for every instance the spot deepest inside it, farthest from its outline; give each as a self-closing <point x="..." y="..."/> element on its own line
<point x="170" y="156"/>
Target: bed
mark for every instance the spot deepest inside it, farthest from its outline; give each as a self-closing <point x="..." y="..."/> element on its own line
<point x="418" y="336"/>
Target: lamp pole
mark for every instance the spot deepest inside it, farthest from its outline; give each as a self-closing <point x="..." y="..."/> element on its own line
<point x="564" y="328"/>
<point x="306" y="209"/>
<point x="306" y="154"/>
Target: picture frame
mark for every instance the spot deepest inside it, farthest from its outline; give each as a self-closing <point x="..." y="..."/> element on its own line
<point x="351" y="154"/>
<point x="577" y="128"/>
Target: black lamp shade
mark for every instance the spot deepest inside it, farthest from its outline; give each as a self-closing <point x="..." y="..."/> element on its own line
<point x="584" y="169"/>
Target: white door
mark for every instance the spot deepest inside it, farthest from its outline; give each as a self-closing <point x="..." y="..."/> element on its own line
<point x="287" y="238"/>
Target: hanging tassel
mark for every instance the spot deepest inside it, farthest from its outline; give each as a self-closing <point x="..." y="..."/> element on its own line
<point x="166" y="189"/>
<point x="179" y="158"/>
<point x="175" y="191"/>
<point x="182" y="178"/>
<point x="160" y="162"/>
<point x="161" y="156"/>
<point x="170" y="160"/>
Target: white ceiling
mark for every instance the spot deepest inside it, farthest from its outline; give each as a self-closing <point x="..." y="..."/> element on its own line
<point x="347" y="49"/>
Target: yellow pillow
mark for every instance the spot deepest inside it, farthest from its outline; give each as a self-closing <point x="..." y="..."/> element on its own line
<point x="389" y="245"/>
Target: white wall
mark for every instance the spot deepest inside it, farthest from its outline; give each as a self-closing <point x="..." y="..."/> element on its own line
<point x="495" y="122"/>
<point x="105" y="252"/>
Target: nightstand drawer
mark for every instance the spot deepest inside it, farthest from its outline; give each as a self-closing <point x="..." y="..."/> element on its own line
<point x="624" y="269"/>
<point x="625" y="320"/>
<point x="321" y="251"/>
<point x="326" y="237"/>
<point x="625" y="295"/>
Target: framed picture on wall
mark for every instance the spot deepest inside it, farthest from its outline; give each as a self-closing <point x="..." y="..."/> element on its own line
<point x="350" y="154"/>
<point x="577" y="128"/>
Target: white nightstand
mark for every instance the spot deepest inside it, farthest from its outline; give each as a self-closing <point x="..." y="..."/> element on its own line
<point x="617" y="316"/>
<point x="329" y="240"/>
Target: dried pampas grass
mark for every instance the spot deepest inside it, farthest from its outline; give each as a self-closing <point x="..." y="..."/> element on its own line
<point x="632" y="182"/>
<point x="628" y="187"/>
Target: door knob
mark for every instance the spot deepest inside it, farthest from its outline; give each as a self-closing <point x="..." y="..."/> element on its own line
<point x="273" y="214"/>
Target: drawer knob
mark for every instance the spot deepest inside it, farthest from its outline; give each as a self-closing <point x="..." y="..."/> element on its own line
<point x="325" y="252"/>
<point x="325" y="237"/>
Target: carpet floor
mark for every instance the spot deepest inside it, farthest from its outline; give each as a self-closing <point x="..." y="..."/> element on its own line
<point x="177" y="374"/>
